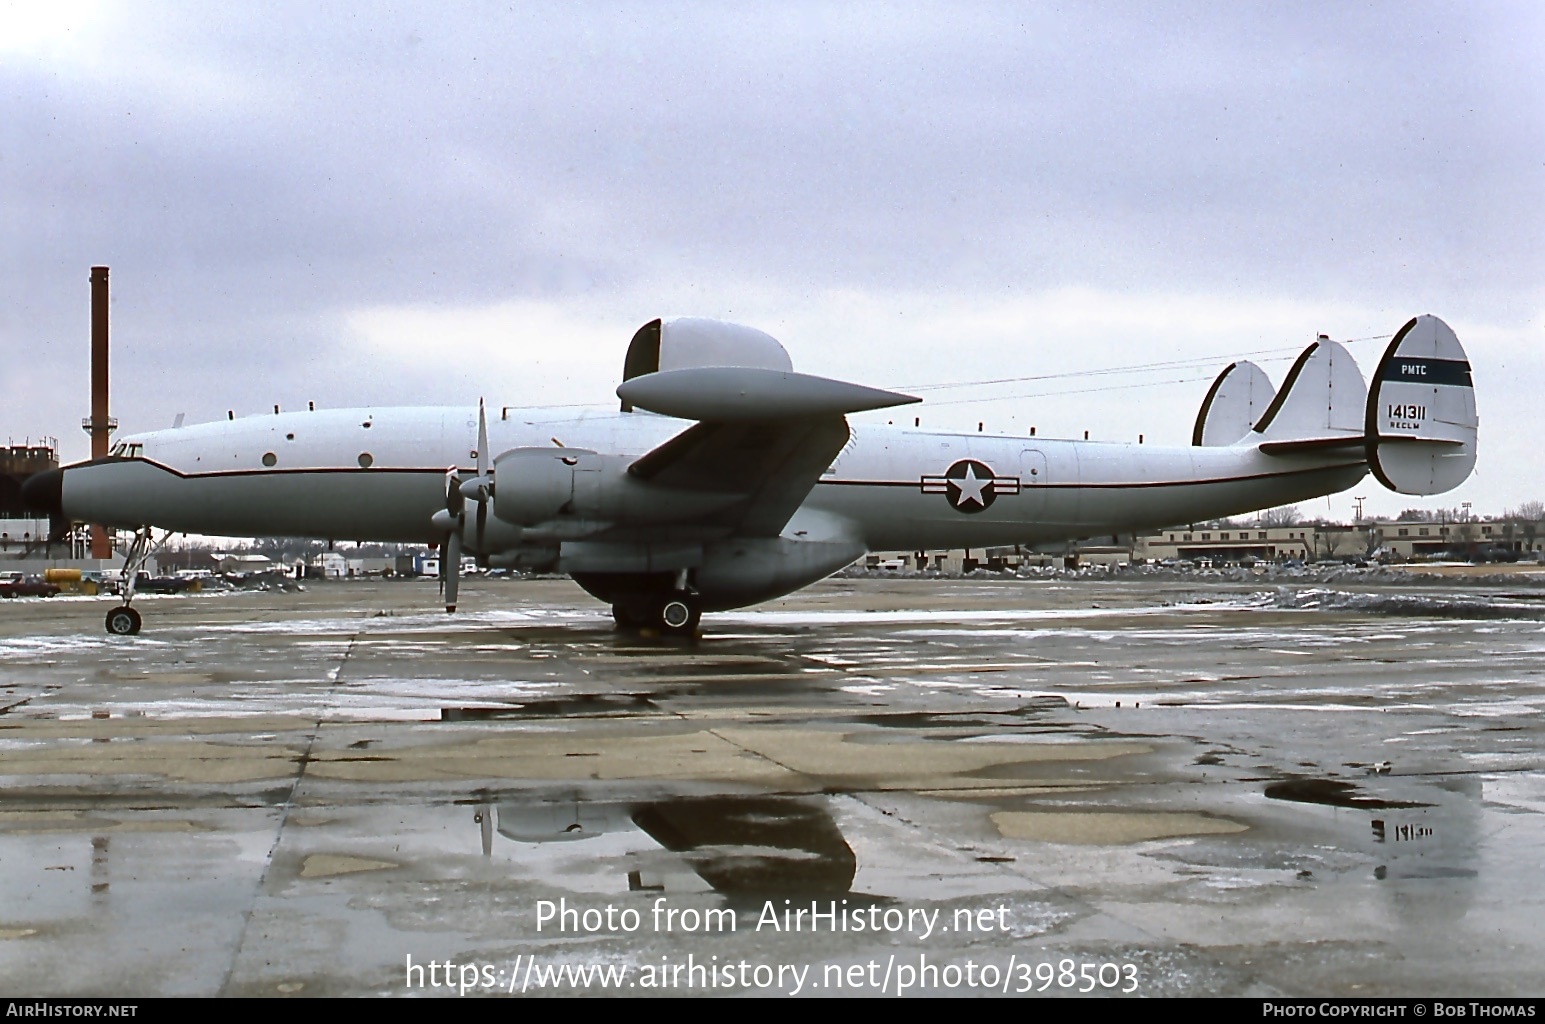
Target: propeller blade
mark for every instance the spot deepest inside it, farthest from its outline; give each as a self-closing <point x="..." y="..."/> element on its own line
<point x="451" y="519"/>
<point x="482" y="440"/>
<point x="450" y="560"/>
<point x="484" y="481"/>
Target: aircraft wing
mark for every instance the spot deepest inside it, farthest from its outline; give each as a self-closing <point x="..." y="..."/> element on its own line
<point x="774" y="463"/>
<point x="765" y="434"/>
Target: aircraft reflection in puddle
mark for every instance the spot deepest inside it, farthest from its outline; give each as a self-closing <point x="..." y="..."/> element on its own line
<point x="740" y="846"/>
<point x="1422" y="833"/>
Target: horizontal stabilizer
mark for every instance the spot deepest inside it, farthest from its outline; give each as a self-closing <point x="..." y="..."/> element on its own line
<point x="1420" y="420"/>
<point x="1234" y="402"/>
<point x="1321" y="400"/>
<point x="730" y="394"/>
<point x="1315" y="446"/>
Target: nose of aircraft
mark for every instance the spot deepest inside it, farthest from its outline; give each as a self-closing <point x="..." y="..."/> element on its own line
<point x="44" y="492"/>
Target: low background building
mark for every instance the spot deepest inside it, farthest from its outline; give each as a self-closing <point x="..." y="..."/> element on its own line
<point x="1226" y="542"/>
<point x="1509" y="537"/>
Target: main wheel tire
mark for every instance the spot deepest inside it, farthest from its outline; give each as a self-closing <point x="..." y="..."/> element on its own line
<point x="628" y="617"/>
<point x="123" y="621"/>
<point x="680" y="614"/>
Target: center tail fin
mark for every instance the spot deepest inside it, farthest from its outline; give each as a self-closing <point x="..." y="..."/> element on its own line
<point x="1320" y="407"/>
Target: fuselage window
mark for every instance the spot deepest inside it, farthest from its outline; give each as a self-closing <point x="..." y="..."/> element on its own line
<point x="365" y="460"/>
<point x="270" y="459"/>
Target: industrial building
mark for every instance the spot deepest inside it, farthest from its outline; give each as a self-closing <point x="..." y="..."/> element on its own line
<point x="35" y="544"/>
<point x="22" y="534"/>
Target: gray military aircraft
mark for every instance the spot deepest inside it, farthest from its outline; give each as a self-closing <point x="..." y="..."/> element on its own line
<point x="726" y="478"/>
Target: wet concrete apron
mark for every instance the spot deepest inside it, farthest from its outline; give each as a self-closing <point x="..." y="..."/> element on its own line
<point x="1196" y="790"/>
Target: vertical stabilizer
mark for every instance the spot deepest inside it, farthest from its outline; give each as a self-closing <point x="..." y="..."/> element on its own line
<point x="1420" y="421"/>
<point x="1235" y="401"/>
<point x="1322" y="398"/>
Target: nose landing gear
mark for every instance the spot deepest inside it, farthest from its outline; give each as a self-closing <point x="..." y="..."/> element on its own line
<point x="125" y="620"/>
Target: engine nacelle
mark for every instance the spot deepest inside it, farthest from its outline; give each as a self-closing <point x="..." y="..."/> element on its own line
<point x="538" y="485"/>
<point x="529" y="557"/>
<point x="749" y="570"/>
<point x="730" y="573"/>
<point x="533" y="485"/>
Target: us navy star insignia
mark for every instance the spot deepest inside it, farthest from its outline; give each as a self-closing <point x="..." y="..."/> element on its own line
<point x="970" y="486"/>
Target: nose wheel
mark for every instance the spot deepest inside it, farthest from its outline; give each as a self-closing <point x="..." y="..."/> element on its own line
<point x="124" y="621"/>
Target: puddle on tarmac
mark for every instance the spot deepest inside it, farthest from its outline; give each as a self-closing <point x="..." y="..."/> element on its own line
<point x="583" y="705"/>
<point x="738" y="846"/>
<point x="1036" y="706"/>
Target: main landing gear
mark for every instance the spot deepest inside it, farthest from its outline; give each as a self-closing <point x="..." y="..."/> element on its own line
<point x="125" y="620"/>
<point x="662" y="603"/>
<point x="677" y="613"/>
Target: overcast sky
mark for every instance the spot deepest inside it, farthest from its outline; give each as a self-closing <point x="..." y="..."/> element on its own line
<point x="424" y="204"/>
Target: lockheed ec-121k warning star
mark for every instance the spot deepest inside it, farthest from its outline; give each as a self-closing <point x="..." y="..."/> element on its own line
<point x="726" y="479"/>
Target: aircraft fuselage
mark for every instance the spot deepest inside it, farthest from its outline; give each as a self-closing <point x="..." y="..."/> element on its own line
<point x="379" y="475"/>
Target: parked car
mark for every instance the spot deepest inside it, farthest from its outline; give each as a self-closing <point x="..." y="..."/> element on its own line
<point x="148" y="584"/>
<point x="106" y="582"/>
<point x="14" y="584"/>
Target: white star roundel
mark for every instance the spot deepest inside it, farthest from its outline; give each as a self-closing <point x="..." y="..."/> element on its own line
<point x="969" y="486"/>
